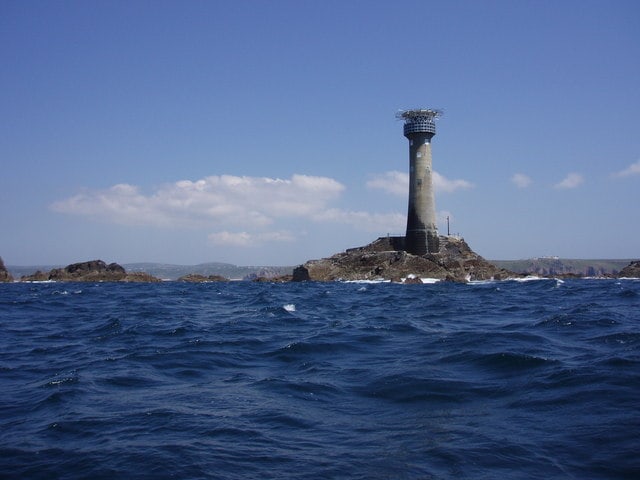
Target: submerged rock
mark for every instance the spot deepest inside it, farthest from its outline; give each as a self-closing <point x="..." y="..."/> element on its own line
<point x="382" y="260"/>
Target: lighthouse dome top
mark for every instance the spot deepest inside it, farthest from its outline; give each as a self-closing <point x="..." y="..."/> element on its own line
<point x="419" y="120"/>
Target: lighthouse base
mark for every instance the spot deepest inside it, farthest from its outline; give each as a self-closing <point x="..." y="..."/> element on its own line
<point x="421" y="242"/>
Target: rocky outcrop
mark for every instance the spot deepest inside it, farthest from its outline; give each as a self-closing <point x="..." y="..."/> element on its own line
<point x="39" y="276"/>
<point x="381" y="260"/>
<point x="197" y="278"/>
<point x="139" y="277"/>
<point x="94" y="270"/>
<point x="5" y="276"/>
<point x="276" y="279"/>
<point x="91" y="271"/>
<point x="631" y="271"/>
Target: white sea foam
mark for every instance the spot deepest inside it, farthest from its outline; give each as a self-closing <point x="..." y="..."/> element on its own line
<point x="289" y="307"/>
<point x="367" y="281"/>
<point x="411" y="276"/>
<point x="429" y="280"/>
<point x="528" y="278"/>
<point x="481" y="282"/>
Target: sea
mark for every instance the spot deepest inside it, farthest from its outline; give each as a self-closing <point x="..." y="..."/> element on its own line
<point x="535" y="379"/>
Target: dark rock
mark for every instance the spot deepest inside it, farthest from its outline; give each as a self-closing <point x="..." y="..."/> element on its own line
<point x="5" y="276"/>
<point x="380" y="260"/>
<point x="300" y="274"/>
<point x="630" y="271"/>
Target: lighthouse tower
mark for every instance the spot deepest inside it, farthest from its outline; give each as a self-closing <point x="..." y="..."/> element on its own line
<point x="422" y="230"/>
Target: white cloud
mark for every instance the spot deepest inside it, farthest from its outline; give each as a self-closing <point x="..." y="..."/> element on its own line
<point x="394" y="182"/>
<point x="521" y="180"/>
<point x="397" y="183"/>
<point x="572" y="180"/>
<point x="633" y="169"/>
<point x="443" y="184"/>
<point x="246" y="239"/>
<point x="244" y="211"/>
<point x="224" y="199"/>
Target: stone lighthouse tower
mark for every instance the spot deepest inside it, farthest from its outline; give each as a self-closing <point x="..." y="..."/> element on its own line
<point x="422" y="230"/>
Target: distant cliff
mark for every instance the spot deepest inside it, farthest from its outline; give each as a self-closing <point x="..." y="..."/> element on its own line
<point x="383" y="260"/>
<point x="553" y="266"/>
<point x="5" y="276"/>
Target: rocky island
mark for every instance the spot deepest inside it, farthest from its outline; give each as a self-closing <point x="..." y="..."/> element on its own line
<point x="91" y="271"/>
<point x="386" y="259"/>
<point x="631" y="271"/>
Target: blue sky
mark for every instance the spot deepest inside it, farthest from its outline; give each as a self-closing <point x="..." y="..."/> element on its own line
<point x="264" y="132"/>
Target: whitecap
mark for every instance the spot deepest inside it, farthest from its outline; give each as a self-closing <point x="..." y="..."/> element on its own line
<point x="289" y="307"/>
<point x="412" y="276"/>
<point x="429" y="280"/>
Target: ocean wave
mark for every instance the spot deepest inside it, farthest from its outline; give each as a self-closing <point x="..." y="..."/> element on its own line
<point x="242" y="380"/>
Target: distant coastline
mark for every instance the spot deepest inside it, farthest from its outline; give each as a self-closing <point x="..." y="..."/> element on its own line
<point x="542" y="266"/>
<point x="553" y="266"/>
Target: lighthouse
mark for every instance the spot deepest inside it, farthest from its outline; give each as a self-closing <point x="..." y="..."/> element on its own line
<point x="422" y="230"/>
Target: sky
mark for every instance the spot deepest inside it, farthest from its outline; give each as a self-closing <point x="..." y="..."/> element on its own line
<point x="264" y="132"/>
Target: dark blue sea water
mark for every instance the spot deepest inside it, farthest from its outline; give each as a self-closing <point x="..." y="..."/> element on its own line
<point x="518" y="380"/>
